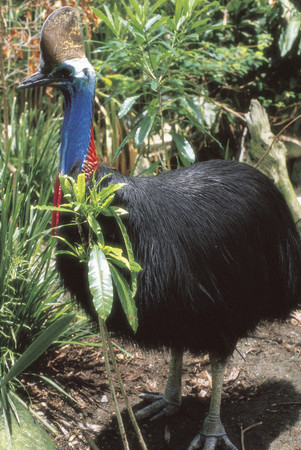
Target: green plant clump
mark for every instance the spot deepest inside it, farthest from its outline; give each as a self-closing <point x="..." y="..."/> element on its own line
<point x="105" y="262"/>
<point x="31" y="296"/>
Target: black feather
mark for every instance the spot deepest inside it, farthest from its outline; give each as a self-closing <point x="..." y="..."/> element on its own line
<point x="219" y="252"/>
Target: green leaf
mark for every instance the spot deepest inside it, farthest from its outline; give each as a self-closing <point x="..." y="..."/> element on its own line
<point x="156" y="6"/>
<point x="81" y="187"/>
<point x="154" y="85"/>
<point x="156" y="25"/>
<point x="66" y="184"/>
<point x="119" y="211"/>
<point x="199" y="23"/>
<point x="119" y="261"/>
<point x="105" y="19"/>
<point x="289" y="35"/>
<point x="94" y="225"/>
<point x="152" y="21"/>
<point x="127" y="105"/>
<point x="114" y="250"/>
<point x="125" y="296"/>
<point x="178" y="10"/>
<point x="135" y="267"/>
<point x="100" y="282"/>
<point x="144" y="128"/>
<point x="117" y="21"/>
<point x="184" y="148"/>
<point x="136" y="8"/>
<point x="130" y="253"/>
<point x="38" y="347"/>
<point x="134" y="22"/>
<point x="123" y="143"/>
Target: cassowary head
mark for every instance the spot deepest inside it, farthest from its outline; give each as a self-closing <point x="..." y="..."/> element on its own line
<point x="64" y="64"/>
<point x="63" y="58"/>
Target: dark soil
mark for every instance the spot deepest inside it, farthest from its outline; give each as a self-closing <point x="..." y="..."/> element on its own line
<point x="262" y="391"/>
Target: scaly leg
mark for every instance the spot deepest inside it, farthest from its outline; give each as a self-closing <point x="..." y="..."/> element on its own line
<point x="213" y="432"/>
<point x="169" y="403"/>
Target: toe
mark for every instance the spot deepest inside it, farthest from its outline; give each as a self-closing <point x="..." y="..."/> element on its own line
<point x="159" y="408"/>
<point x="211" y="443"/>
<point x="151" y="410"/>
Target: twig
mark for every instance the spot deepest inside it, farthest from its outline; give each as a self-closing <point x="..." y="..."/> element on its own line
<point x="110" y="352"/>
<point x="112" y="389"/>
<point x="91" y="443"/>
<point x="125" y="397"/>
<point x="243" y="431"/>
<point x="275" y="138"/>
<point x="242" y="145"/>
<point x="287" y="404"/>
<point x="230" y="110"/>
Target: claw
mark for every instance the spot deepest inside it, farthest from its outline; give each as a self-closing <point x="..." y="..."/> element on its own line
<point x="150" y="397"/>
<point x="196" y="443"/>
<point x="157" y="409"/>
<point x="210" y="442"/>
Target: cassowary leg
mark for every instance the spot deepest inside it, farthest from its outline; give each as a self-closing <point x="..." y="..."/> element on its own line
<point x="213" y="432"/>
<point x="169" y="403"/>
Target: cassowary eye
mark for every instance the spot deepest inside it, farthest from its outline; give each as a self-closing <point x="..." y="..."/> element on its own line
<point x="63" y="73"/>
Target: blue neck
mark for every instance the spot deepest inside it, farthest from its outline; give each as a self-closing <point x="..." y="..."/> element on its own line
<point x="76" y="130"/>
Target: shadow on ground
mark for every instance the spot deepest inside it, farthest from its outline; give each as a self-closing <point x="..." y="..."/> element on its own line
<point x="176" y="432"/>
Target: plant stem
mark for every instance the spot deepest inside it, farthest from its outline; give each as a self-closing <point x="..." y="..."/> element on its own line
<point x="105" y="340"/>
<point x="5" y="111"/>
<point x="125" y="397"/>
<point x="166" y="160"/>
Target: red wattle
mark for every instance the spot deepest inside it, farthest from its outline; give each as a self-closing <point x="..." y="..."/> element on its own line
<point x="57" y="196"/>
<point x="91" y="162"/>
<point x="89" y="166"/>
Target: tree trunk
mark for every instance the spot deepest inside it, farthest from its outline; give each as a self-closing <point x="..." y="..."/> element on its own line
<point x="269" y="154"/>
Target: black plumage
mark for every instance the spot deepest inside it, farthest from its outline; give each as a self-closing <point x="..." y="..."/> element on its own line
<point x="219" y="252"/>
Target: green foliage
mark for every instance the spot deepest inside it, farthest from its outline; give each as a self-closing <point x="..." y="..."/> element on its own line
<point x="147" y="54"/>
<point x="25" y="431"/>
<point x="186" y="68"/>
<point x="7" y="398"/>
<point x="106" y="263"/>
<point x="29" y="286"/>
<point x="37" y="348"/>
<point x="32" y="308"/>
<point x="155" y="55"/>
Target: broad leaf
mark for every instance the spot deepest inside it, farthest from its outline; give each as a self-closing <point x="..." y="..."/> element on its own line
<point x="100" y="282"/>
<point x="185" y="150"/>
<point x="127" y="105"/>
<point x="126" y="298"/>
<point x="81" y="187"/>
<point x="94" y="225"/>
<point x="130" y="253"/>
<point x="290" y="33"/>
<point x="144" y="129"/>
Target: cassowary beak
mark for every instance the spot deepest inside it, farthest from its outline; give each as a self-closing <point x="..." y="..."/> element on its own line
<point x="38" y="79"/>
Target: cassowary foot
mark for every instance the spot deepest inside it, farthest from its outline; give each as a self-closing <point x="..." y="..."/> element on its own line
<point x="158" y="408"/>
<point x="210" y="442"/>
<point x="212" y="435"/>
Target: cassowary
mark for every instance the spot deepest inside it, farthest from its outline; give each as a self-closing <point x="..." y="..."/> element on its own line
<point x="216" y="241"/>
